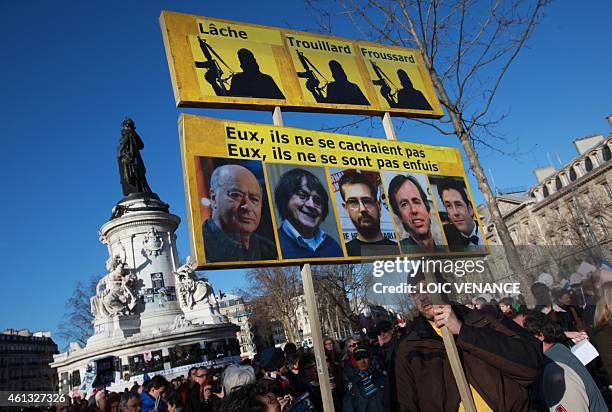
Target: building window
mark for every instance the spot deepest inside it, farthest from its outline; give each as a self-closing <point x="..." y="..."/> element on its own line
<point x="572" y="174"/>
<point x="513" y="235"/>
<point x="543" y="218"/>
<point x="588" y="164"/>
<point x="607" y="154"/>
<point x="75" y="379"/>
<point x="602" y="226"/>
<point x="558" y="183"/>
<point x="545" y="191"/>
<point x="607" y="189"/>
<point x="566" y="238"/>
<point x="527" y="230"/>
<point x="582" y="230"/>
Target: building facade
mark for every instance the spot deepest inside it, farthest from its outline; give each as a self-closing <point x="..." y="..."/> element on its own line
<point x="25" y="359"/>
<point x="564" y="219"/>
<point x="302" y="322"/>
<point x="236" y="310"/>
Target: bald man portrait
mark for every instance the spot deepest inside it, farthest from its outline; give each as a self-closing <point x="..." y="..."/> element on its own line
<point x="229" y="233"/>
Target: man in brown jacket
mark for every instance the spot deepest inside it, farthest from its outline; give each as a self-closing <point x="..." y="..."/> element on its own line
<point x="499" y="358"/>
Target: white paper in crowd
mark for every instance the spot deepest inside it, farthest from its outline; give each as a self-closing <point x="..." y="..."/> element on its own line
<point x="585" y="268"/>
<point x="585" y="351"/>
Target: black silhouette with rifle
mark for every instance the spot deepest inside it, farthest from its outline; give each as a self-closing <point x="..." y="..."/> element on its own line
<point x="251" y="82"/>
<point x="405" y="98"/>
<point x="338" y="91"/>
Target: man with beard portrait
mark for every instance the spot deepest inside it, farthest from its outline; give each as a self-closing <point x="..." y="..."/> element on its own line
<point x="361" y="204"/>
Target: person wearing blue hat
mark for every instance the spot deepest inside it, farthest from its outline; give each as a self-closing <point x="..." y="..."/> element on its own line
<point x="365" y="388"/>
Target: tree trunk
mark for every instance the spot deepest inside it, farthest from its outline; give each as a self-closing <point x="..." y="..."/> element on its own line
<point x="514" y="260"/>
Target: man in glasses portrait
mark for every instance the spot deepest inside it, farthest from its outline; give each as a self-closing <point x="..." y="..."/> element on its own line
<point x="229" y="233"/>
<point x="363" y="207"/>
<point x="303" y="204"/>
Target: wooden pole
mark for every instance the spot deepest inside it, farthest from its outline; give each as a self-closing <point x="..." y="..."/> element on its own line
<point x="447" y="336"/>
<point x="388" y="126"/>
<point x="317" y="339"/>
<point x="313" y="316"/>
<point x="458" y="372"/>
<point x="277" y="117"/>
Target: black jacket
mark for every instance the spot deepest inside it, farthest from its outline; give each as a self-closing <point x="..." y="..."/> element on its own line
<point x="499" y="357"/>
<point x="384" y="360"/>
<point x="456" y="241"/>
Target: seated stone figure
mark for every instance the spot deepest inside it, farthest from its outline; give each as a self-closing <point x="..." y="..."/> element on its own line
<point x="192" y="289"/>
<point x="113" y="292"/>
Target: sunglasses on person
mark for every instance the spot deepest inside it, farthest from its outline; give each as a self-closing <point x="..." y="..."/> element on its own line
<point x="352" y="345"/>
<point x="361" y="357"/>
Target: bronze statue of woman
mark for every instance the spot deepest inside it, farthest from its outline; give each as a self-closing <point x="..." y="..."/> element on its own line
<point x="131" y="166"/>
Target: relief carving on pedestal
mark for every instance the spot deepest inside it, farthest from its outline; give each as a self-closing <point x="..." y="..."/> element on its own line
<point x="115" y="294"/>
<point x="191" y="290"/>
<point x="153" y="243"/>
<point x="180" y="322"/>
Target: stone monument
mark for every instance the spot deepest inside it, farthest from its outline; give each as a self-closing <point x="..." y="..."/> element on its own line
<point x="146" y="302"/>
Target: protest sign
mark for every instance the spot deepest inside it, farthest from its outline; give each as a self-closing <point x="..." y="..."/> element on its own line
<point x="261" y="194"/>
<point x="226" y="64"/>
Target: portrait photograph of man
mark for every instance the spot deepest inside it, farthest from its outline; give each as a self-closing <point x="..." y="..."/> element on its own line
<point x="306" y="222"/>
<point x="366" y="223"/>
<point x="234" y="211"/>
<point x="412" y="205"/>
<point x="456" y="209"/>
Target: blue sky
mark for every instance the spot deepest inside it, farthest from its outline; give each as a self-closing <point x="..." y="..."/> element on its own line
<point x="72" y="70"/>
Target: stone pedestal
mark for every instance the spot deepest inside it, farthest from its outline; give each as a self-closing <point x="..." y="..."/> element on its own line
<point x="141" y="232"/>
<point x="146" y="304"/>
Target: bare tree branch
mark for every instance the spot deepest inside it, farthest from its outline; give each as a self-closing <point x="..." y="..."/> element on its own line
<point x="76" y="324"/>
<point x="476" y="42"/>
<point x="523" y="38"/>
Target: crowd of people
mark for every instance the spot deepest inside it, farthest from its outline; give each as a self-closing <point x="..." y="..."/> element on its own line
<point x="515" y="358"/>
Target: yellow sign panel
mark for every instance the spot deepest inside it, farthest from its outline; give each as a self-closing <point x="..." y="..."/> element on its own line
<point x="328" y="70"/>
<point x="220" y="50"/>
<point x="220" y="63"/>
<point x="260" y="194"/>
<point x="397" y="77"/>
